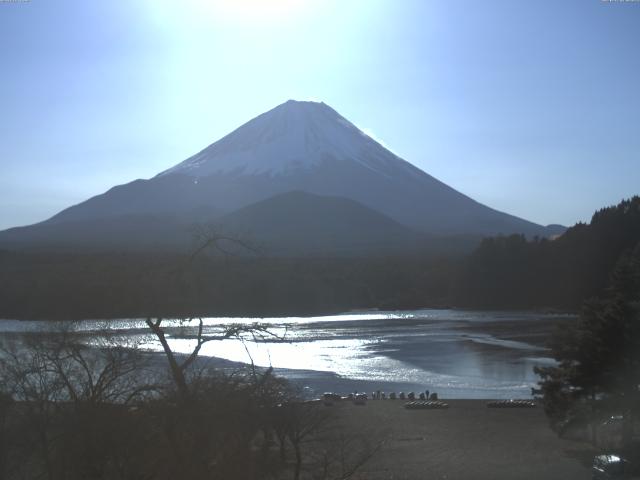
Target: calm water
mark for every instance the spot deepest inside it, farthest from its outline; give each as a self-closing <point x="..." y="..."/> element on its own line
<point x="459" y="354"/>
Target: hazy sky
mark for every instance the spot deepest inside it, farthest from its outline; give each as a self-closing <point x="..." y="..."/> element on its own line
<point x="531" y="107"/>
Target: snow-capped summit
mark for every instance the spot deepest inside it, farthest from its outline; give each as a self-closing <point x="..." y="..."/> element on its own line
<point x="293" y="136"/>
<point x="351" y="191"/>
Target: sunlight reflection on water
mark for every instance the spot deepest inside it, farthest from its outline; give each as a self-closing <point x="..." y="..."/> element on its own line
<point x="424" y="349"/>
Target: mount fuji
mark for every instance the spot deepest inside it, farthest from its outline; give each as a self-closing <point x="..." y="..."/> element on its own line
<point x="298" y="167"/>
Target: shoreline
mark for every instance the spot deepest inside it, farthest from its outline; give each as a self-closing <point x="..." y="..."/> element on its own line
<point x="312" y="384"/>
<point x="492" y="355"/>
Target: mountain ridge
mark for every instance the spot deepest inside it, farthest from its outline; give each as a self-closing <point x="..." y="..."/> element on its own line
<point x="297" y="146"/>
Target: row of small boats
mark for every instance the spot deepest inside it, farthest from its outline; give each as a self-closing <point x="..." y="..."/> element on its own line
<point x="511" y="404"/>
<point x="425" y="405"/>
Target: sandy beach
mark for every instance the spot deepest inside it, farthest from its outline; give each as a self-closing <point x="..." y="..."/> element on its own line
<point x="466" y="441"/>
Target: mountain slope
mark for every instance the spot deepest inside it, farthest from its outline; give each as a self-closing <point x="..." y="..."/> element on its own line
<point x="122" y="232"/>
<point x="289" y="224"/>
<point x="297" y="146"/>
<point x="302" y="223"/>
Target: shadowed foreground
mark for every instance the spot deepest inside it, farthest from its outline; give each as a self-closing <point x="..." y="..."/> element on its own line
<point x="468" y="440"/>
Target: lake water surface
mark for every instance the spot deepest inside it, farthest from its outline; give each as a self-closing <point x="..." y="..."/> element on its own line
<point x="459" y="354"/>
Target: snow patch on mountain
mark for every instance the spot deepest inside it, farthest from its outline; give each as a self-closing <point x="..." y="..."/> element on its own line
<point x="293" y="136"/>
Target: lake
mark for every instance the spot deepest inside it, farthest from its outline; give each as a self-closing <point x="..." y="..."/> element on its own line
<point x="458" y="354"/>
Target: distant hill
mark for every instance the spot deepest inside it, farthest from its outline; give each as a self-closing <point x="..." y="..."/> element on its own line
<point x="299" y="223"/>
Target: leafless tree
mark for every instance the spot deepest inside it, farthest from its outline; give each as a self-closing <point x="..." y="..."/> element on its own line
<point x="178" y="367"/>
<point x="70" y="402"/>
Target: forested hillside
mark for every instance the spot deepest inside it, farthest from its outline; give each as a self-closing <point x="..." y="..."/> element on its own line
<point x="60" y="286"/>
<point x="511" y="272"/>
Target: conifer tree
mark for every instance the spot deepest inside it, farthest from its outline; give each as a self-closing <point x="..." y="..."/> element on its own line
<point x="598" y="370"/>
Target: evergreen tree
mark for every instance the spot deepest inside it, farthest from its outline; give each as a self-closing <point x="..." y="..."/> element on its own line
<point x="598" y="371"/>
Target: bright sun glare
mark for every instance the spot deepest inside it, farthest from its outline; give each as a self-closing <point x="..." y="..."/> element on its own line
<point x="250" y="10"/>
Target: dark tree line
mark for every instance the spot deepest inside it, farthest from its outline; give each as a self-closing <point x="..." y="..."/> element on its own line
<point x="115" y="285"/>
<point x="513" y="272"/>
<point x="502" y="273"/>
